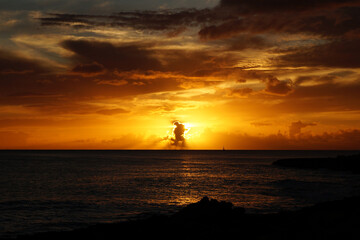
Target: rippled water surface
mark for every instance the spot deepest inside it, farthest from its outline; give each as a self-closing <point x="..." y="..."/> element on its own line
<point x="62" y="190"/>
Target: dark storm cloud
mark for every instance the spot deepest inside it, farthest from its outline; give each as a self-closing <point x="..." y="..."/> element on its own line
<point x="325" y="18"/>
<point x="230" y="18"/>
<point x="32" y="95"/>
<point x="11" y="63"/>
<point x="339" y="53"/>
<point x="326" y="23"/>
<point x="89" y="69"/>
<point x="275" y="86"/>
<point x="86" y="6"/>
<point x="295" y="127"/>
<point x="150" y="20"/>
<point x="272" y="84"/>
<point x="123" y="57"/>
<point x="259" y="6"/>
<point x="325" y="97"/>
<point x="144" y="57"/>
<point x="247" y="42"/>
<point x="179" y="131"/>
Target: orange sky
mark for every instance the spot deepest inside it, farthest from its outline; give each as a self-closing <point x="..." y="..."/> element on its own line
<point x="241" y="74"/>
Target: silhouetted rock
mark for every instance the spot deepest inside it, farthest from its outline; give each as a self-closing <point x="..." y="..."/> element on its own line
<point x="206" y="208"/>
<point x="340" y="163"/>
<point x="211" y="219"/>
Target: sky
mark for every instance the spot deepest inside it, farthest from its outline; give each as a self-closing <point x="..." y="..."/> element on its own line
<point x="172" y="74"/>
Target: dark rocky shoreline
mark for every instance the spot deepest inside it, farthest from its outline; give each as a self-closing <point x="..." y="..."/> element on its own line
<point x="213" y="219"/>
<point x="340" y="163"/>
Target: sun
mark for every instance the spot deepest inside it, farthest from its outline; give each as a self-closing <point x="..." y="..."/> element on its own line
<point x="182" y="128"/>
<point x="181" y="134"/>
<point x="188" y="127"/>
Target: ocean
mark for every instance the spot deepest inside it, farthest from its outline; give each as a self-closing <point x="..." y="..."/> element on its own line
<point x="45" y="191"/>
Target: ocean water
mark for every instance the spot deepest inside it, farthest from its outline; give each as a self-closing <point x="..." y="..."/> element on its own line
<point x="44" y="191"/>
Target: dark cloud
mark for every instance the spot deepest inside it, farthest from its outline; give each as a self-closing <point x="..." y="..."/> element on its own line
<point x="11" y="63"/>
<point x="339" y="53"/>
<point x="90" y="69"/>
<point x="275" y="86"/>
<point x="248" y="42"/>
<point x="191" y="62"/>
<point x="65" y="93"/>
<point x="224" y="30"/>
<point x="295" y="128"/>
<point x="320" y="18"/>
<point x="124" y="57"/>
<point x="33" y="95"/>
<point x="321" y="98"/>
<point x="265" y="6"/>
<point x="239" y="92"/>
<point x="334" y="23"/>
<point x="94" y="6"/>
<point x="137" y="57"/>
<point x="231" y="18"/>
<point x="169" y="19"/>
<point x="179" y="134"/>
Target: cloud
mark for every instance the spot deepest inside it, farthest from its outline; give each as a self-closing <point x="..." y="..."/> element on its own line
<point x="295" y="128"/>
<point x="90" y="69"/>
<point x="337" y="53"/>
<point x="263" y="6"/>
<point x="123" y="57"/>
<point x="179" y="134"/>
<point x="33" y="95"/>
<point x="325" y="97"/>
<point x="275" y="86"/>
<point x="339" y="140"/>
<point x="230" y="18"/>
<point x="11" y="63"/>
<point x="320" y="18"/>
<point x="113" y="111"/>
<point x="247" y="41"/>
<point x="264" y="58"/>
<point x="145" y="58"/>
<point x="239" y="92"/>
<point x="261" y="124"/>
<point x="160" y="20"/>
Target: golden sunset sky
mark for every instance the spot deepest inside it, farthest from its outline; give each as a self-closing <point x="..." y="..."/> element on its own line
<point x="249" y="74"/>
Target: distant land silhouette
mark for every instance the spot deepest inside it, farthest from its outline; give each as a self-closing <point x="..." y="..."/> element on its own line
<point x="340" y="163"/>
<point x="211" y="219"/>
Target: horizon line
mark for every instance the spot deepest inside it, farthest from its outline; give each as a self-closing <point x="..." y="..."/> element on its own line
<point x="99" y="149"/>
